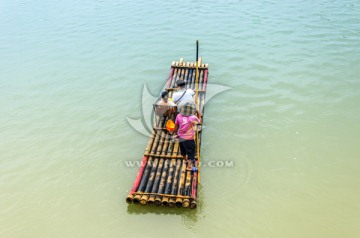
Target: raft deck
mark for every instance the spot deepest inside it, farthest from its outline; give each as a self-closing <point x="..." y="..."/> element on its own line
<point x="162" y="179"/>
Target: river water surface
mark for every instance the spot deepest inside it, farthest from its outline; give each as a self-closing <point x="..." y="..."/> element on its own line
<point x="71" y="72"/>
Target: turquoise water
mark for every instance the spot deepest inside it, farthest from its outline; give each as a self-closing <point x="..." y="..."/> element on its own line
<point x="71" y="72"/>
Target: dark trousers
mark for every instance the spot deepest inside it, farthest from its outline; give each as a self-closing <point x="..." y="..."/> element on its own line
<point x="187" y="147"/>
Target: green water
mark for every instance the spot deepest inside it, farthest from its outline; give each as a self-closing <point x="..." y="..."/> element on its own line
<point x="71" y="72"/>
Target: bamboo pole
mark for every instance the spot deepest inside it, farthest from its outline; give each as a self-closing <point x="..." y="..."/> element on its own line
<point x="189" y="78"/>
<point x="149" y="185"/>
<point x="206" y="72"/>
<point x="197" y="100"/>
<point x="161" y="194"/>
<point x="182" y="74"/>
<point x="186" y="202"/>
<point x="193" y="203"/>
<point x="165" y="200"/>
<point x="175" y="182"/>
<point x="162" y="182"/>
<point x="193" y="77"/>
<point x="178" y="201"/>
<point x="143" y="182"/>
<point x="162" y="121"/>
<point x="155" y="143"/>
<point x="168" y="82"/>
<point x="130" y="197"/>
<point x="156" y="182"/>
<point x="151" y="199"/>
<point x="186" y="74"/>
<point x="150" y="142"/>
<point x="201" y="80"/>
<point x="169" y="180"/>
<point x="173" y="82"/>
<point x="162" y="138"/>
<point x="176" y="148"/>
<point x="170" y="148"/>
<point x="166" y="144"/>
<point x="178" y="75"/>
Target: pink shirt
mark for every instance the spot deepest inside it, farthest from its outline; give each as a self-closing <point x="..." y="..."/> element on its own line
<point x="186" y="129"/>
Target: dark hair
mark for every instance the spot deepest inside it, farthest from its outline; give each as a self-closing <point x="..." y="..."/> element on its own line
<point x="180" y="83"/>
<point x="164" y="94"/>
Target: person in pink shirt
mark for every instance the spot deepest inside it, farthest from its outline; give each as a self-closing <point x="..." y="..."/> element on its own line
<point x="184" y="127"/>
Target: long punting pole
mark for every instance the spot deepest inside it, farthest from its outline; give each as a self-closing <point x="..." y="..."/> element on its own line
<point x="197" y="73"/>
<point x="197" y="106"/>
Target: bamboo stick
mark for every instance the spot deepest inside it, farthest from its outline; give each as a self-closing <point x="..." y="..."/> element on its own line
<point x="143" y="182"/>
<point x="175" y="183"/>
<point x="192" y="86"/>
<point x="182" y="74"/>
<point x="162" y="121"/>
<point x="168" y="82"/>
<point x="151" y="199"/>
<point x="188" y="79"/>
<point x="198" y="144"/>
<point x="165" y="145"/>
<point x="173" y="79"/>
<point x="149" y="185"/>
<point x="162" y="138"/>
<point x="201" y="80"/>
<point x="184" y="66"/>
<point x="169" y="180"/>
<point x="155" y="143"/>
<point x="193" y="203"/>
<point x="130" y="197"/>
<point x="161" y="194"/>
<point x="178" y="201"/>
<point x="156" y="182"/>
<point x="186" y="202"/>
<point x="150" y="142"/>
<point x="206" y="72"/>
<point x="162" y="182"/>
<point x="186" y="74"/>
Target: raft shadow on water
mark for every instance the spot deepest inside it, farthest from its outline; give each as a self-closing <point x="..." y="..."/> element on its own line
<point x="189" y="216"/>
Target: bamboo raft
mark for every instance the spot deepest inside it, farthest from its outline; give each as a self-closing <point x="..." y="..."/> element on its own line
<point x="162" y="179"/>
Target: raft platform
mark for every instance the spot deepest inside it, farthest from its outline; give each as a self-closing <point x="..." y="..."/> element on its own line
<point x="162" y="179"/>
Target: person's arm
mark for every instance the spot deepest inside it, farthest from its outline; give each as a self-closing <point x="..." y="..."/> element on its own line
<point x="197" y="123"/>
<point x="176" y="129"/>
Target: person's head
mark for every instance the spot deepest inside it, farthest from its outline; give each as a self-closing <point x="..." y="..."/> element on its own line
<point x="180" y="83"/>
<point x="164" y="96"/>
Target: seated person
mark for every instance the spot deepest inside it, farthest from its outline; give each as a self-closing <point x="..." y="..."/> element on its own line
<point x="165" y="100"/>
<point x="165" y="106"/>
<point x="182" y="94"/>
